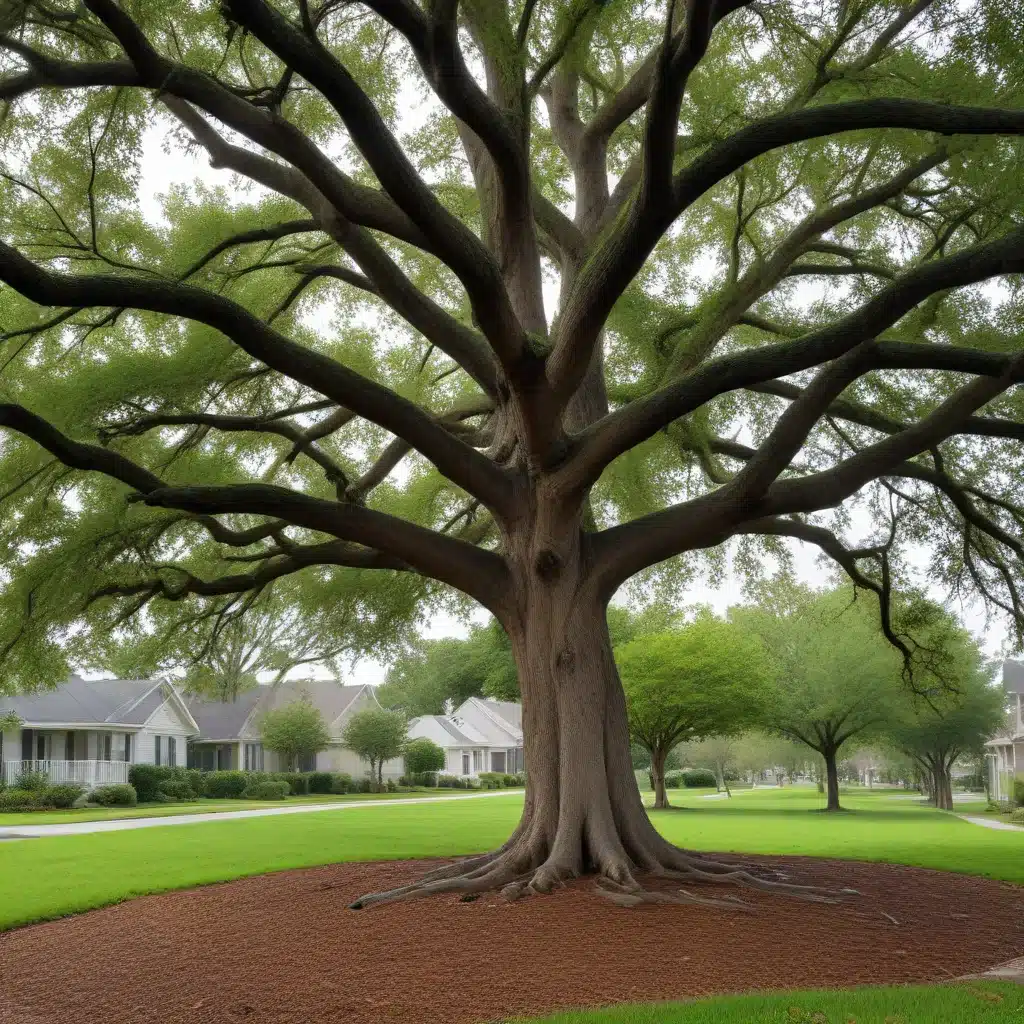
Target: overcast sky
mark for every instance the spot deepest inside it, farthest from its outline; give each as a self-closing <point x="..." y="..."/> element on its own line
<point x="161" y="170"/>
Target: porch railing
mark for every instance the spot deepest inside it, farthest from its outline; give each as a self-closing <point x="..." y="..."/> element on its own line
<point x="88" y="774"/>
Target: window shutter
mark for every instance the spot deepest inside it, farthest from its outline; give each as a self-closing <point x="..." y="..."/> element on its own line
<point x="156" y="750"/>
<point x="172" y="751"/>
<point x="128" y="746"/>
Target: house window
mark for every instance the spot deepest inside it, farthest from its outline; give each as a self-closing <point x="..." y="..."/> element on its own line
<point x="172" y="751"/>
<point x="128" y="746"/>
<point x="465" y="764"/>
<point x="477" y="760"/>
<point x="253" y="757"/>
<point x="307" y="762"/>
<point x="498" y="761"/>
<point x="156" y="749"/>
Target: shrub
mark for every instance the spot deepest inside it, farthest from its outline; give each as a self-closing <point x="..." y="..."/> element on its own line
<point x="177" y="789"/>
<point x="320" y="782"/>
<point x="149" y="780"/>
<point x="422" y="756"/>
<point x="60" y="796"/>
<point x="341" y="782"/>
<point x="491" y="780"/>
<point x="1018" y="791"/>
<point x="673" y="780"/>
<point x="266" y="789"/>
<point x="34" y="782"/>
<point x="452" y="782"/>
<point x="694" y="777"/>
<point x="391" y="786"/>
<point x="364" y="785"/>
<point x="194" y="778"/>
<point x="115" y="796"/>
<point x="16" y="799"/>
<point x="228" y="784"/>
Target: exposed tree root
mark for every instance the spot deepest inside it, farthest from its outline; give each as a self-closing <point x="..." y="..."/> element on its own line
<point x="517" y="870"/>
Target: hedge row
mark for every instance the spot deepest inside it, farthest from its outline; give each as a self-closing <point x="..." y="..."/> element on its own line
<point x="39" y="798"/>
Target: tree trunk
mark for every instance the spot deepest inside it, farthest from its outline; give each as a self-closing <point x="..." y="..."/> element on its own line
<point x="831" y="780"/>
<point x="819" y="778"/>
<point x="942" y="787"/>
<point x="658" y="759"/>
<point x="583" y="813"/>
<point x="724" y="780"/>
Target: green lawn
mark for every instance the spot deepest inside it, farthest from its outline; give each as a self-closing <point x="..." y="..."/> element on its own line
<point x="43" y="878"/>
<point x="203" y="806"/>
<point x="962" y="1003"/>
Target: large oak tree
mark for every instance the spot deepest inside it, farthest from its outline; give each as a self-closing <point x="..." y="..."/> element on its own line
<point x="767" y="228"/>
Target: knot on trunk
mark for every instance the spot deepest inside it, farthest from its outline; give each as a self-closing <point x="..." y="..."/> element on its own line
<point x="547" y="564"/>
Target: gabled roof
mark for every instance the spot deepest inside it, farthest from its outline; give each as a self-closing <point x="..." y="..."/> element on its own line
<point x="506" y="710"/>
<point x="1013" y="676"/>
<point x="503" y="715"/>
<point x="231" y="720"/>
<point x="125" y="702"/>
<point x="460" y="734"/>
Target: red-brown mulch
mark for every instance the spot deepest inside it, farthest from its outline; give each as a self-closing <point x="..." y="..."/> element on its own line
<point x="284" y="948"/>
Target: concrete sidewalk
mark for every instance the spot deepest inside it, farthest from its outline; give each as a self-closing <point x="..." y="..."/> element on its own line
<point x="1002" y="826"/>
<point x="77" y="828"/>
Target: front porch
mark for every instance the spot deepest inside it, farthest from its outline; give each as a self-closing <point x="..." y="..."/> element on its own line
<point x="87" y="774"/>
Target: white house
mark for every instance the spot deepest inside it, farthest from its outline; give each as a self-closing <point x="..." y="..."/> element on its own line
<point x="229" y="731"/>
<point x="479" y="736"/>
<point x="1005" y="751"/>
<point x="90" y="730"/>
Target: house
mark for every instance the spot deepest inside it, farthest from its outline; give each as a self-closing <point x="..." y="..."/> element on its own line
<point x="229" y="731"/>
<point x="479" y="736"/>
<point x="1005" y="751"/>
<point x="90" y="730"/>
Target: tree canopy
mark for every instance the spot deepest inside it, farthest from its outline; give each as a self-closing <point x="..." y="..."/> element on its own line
<point x="295" y="730"/>
<point x="835" y="676"/>
<point x="520" y="300"/>
<point x="423" y="679"/>
<point x="707" y="678"/>
<point x="936" y="731"/>
<point x="376" y="735"/>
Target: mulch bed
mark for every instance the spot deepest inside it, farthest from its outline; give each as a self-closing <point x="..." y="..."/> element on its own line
<point x="284" y="948"/>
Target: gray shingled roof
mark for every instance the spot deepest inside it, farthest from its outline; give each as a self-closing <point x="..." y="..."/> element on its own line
<point x="223" y="720"/>
<point x="509" y="711"/>
<point x="89" y="701"/>
<point x="455" y="732"/>
<point x="1013" y="677"/>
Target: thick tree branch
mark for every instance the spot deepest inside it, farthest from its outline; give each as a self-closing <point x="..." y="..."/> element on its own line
<point x="621" y="254"/>
<point x="621" y="430"/>
<point x="454" y="459"/>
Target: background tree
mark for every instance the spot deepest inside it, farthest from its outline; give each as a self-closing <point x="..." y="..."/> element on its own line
<point x="340" y="362"/>
<point x="717" y="753"/>
<point x="704" y="679"/>
<point x="423" y="755"/>
<point x="936" y="731"/>
<point x="294" y="731"/>
<point x="434" y="671"/>
<point x="376" y="735"/>
<point x="835" y="675"/>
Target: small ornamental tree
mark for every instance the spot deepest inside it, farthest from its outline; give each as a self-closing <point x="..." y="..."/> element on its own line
<point x="423" y="755"/>
<point x="293" y="731"/>
<point x="701" y="680"/>
<point x="376" y="735"/>
<point x="566" y="306"/>
<point x="835" y="675"/>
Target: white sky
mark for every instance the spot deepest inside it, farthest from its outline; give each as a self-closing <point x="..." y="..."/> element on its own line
<point x="161" y="170"/>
